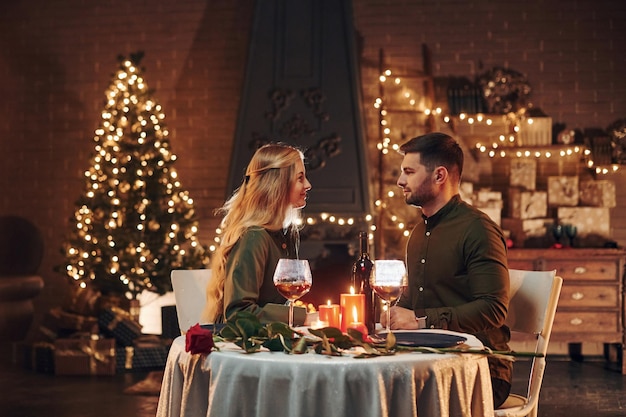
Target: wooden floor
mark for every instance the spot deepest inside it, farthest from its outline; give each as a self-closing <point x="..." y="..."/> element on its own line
<point x="570" y="389"/>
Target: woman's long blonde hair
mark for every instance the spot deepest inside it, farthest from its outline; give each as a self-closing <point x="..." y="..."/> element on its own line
<point x="263" y="193"/>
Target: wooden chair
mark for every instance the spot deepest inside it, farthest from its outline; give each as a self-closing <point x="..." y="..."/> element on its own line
<point x="534" y="298"/>
<point x="190" y="294"/>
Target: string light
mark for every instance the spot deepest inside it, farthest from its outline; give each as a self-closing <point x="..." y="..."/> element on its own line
<point x="132" y="140"/>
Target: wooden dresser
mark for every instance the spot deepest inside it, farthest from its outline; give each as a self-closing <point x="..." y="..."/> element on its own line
<point x="591" y="306"/>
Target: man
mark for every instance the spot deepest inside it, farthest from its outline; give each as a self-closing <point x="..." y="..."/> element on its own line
<point x="456" y="256"/>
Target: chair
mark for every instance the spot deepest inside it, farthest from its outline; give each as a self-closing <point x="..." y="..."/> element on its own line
<point x="534" y="298"/>
<point x="190" y="294"/>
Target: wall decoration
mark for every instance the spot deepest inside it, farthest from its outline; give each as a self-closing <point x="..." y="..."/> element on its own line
<point x="505" y="90"/>
<point x="617" y="132"/>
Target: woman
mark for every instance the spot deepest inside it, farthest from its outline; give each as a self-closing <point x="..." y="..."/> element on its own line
<point x="260" y="226"/>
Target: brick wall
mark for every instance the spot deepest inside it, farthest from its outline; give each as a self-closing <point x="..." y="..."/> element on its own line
<point x="55" y="65"/>
<point x="56" y="59"/>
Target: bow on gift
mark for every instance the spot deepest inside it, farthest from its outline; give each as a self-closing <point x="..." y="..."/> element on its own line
<point x="91" y="350"/>
<point x="119" y="315"/>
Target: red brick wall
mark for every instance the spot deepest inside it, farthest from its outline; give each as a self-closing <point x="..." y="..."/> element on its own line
<point x="56" y="59"/>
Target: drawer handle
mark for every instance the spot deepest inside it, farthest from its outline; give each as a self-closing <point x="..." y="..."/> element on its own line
<point x="578" y="296"/>
<point x="576" y="322"/>
<point x="579" y="270"/>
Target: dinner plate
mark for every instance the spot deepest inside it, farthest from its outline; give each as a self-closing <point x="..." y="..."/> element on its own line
<point x="426" y="339"/>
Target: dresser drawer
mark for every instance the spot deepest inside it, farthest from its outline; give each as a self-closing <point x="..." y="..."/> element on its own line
<point x="580" y="296"/>
<point x="590" y="322"/>
<point x="582" y="269"/>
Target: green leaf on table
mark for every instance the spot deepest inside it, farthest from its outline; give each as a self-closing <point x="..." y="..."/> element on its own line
<point x="391" y="341"/>
<point x="300" y="347"/>
<point x="325" y="347"/>
<point x="329" y="332"/>
<point x="355" y="334"/>
<point x="276" y="328"/>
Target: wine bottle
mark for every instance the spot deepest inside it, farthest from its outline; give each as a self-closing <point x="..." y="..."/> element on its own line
<point x="361" y="271"/>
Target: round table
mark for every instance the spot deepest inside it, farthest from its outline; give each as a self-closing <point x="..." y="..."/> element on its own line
<point x="276" y="384"/>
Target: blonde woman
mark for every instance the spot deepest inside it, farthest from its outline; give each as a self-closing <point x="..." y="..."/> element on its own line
<point x="259" y="226"/>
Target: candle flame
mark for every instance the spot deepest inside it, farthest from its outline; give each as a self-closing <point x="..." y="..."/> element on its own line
<point x="352" y="290"/>
<point x="328" y="302"/>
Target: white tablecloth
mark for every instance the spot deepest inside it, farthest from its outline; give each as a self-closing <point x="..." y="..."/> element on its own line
<point x="275" y="384"/>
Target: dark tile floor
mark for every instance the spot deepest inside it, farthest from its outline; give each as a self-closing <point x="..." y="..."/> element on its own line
<point x="570" y="389"/>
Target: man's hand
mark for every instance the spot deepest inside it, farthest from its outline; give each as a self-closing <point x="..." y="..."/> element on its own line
<point x="401" y="319"/>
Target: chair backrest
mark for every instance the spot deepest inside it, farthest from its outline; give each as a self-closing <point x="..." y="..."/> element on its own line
<point x="530" y="295"/>
<point x="190" y="294"/>
<point x="532" y="307"/>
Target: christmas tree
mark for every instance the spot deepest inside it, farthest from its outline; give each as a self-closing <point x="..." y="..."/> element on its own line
<point x="134" y="223"/>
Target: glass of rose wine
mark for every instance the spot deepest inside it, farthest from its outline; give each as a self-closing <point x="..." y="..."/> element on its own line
<point x="292" y="279"/>
<point x="389" y="280"/>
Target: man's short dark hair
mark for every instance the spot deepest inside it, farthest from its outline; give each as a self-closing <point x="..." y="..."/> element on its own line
<point x="436" y="149"/>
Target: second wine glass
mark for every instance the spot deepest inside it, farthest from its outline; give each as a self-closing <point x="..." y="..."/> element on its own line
<point x="389" y="280"/>
<point x="570" y="231"/>
<point x="292" y="279"/>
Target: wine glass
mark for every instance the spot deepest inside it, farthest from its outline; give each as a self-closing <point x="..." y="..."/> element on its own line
<point x="557" y="232"/>
<point x="292" y="279"/>
<point x="570" y="231"/>
<point x="388" y="280"/>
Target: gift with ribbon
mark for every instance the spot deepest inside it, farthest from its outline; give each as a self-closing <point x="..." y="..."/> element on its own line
<point x="149" y="352"/>
<point x="60" y="322"/>
<point x="37" y="356"/>
<point x="82" y="301"/>
<point x="84" y="356"/>
<point x="119" y="324"/>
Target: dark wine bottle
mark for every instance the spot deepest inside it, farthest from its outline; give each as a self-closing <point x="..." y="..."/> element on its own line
<point x="361" y="271"/>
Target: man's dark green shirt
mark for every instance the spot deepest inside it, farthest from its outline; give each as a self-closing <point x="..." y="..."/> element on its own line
<point x="458" y="277"/>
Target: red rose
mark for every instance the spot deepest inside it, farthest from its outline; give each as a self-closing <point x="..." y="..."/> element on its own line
<point x="199" y="340"/>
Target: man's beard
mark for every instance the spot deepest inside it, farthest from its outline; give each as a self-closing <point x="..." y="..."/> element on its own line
<point x="423" y="195"/>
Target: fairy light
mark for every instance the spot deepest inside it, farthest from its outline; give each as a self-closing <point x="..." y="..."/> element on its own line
<point x="503" y="147"/>
<point x="93" y="244"/>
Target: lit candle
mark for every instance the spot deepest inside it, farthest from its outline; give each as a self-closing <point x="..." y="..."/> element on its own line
<point x="356" y="324"/>
<point x="319" y="324"/>
<point x="330" y="313"/>
<point x="348" y="303"/>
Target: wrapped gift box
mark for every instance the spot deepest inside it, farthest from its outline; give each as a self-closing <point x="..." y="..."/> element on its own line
<point x="493" y="209"/>
<point x="588" y="220"/>
<point x="37" y="356"/>
<point x="84" y="356"/>
<point x="599" y="193"/>
<point x="60" y="323"/>
<point x="521" y="230"/>
<point x="490" y="203"/>
<point x="119" y="324"/>
<point x="147" y="353"/>
<point x="536" y="131"/>
<point x="523" y="173"/>
<point x="562" y="191"/>
<point x="83" y="301"/>
<point x="486" y="195"/>
<point x="466" y="191"/>
<point x="527" y="204"/>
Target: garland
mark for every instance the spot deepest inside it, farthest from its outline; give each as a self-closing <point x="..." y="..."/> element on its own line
<point x="246" y="331"/>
